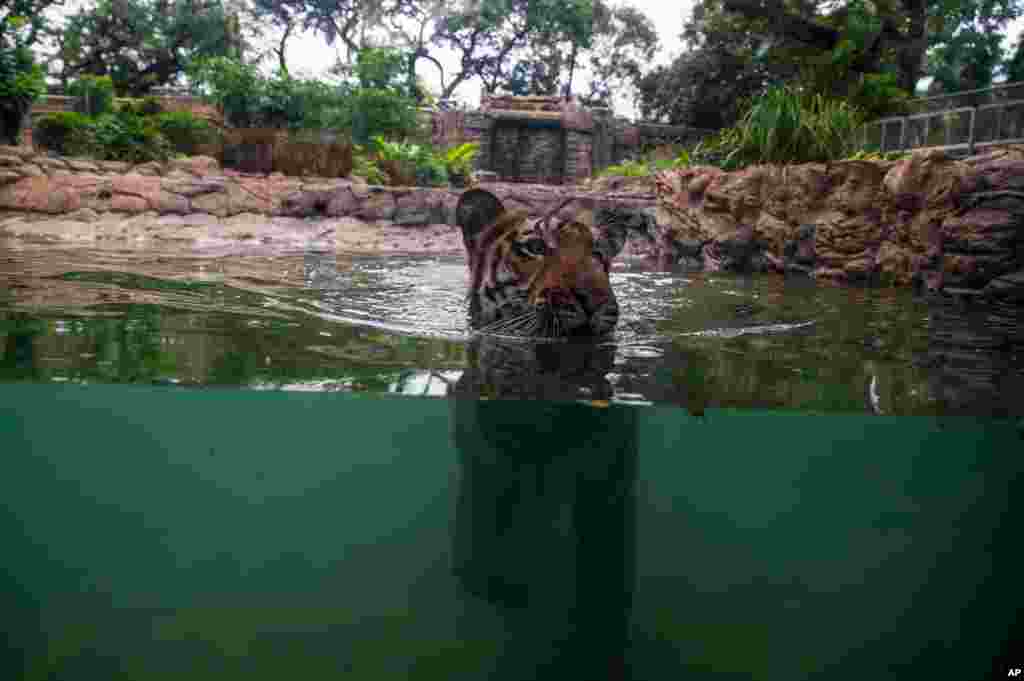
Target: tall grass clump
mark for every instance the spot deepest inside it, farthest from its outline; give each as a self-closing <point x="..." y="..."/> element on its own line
<point x="787" y="126"/>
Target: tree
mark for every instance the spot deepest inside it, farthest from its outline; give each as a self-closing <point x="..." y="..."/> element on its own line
<point x="726" y="61"/>
<point x="141" y="44"/>
<point x="24" y="22"/>
<point x="21" y="78"/>
<point x="965" y="44"/>
<point x="625" y="41"/>
<point x="1015" y="66"/>
<point x="966" y="62"/>
<point x="494" y="37"/>
<point x="903" y="28"/>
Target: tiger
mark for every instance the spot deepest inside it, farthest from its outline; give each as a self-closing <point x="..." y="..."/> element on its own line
<point x="546" y="278"/>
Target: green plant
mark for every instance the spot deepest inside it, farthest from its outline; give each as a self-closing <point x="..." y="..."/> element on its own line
<point x="57" y="131"/>
<point x="878" y="96"/>
<point x="125" y="136"/>
<point x="95" y="94"/>
<point x="396" y="151"/>
<point x="629" y="168"/>
<point x="875" y="155"/>
<point x="431" y="170"/>
<point x="788" y="126"/>
<point x="366" y="167"/>
<point x="22" y="81"/>
<point x="252" y="100"/>
<point x="150" y="106"/>
<point x="184" y="131"/>
<point x="458" y="160"/>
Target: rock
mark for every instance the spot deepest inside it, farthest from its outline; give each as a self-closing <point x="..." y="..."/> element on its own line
<point x="83" y="215"/>
<point x="44" y="194"/>
<point x="419" y="207"/>
<point x="9" y="176"/>
<point x="1007" y="286"/>
<point x="197" y="166"/>
<point x="928" y="219"/>
<point x="983" y="231"/>
<point x="379" y="205"/>
<point x="114" y="166"/>
<point x="50" y="164"/>
<point x="152" y="169"/>
<point x="23" y="153"/>
<point x="10" y="160"/>
<point x="82" y="166"/>
<point x="30" y="170"/>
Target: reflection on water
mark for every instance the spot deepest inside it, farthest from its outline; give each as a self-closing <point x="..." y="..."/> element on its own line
<point x="320" y="321"/>
<point x="544" y="533"/>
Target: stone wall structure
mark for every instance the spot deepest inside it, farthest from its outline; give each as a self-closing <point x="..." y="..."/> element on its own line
<point x="932" y="220"/>
<point x="953" y="225"/>
<point x="539" y="140"/>
<point x="39" y="183"/>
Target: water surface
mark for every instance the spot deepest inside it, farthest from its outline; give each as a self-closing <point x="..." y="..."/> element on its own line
<point x="322" y="321"/>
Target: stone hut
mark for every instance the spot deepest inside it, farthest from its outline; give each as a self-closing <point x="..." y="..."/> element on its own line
<point x="547" y="140"/>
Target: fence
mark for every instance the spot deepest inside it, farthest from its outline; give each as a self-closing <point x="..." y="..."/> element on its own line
<point x="962" y="122"/>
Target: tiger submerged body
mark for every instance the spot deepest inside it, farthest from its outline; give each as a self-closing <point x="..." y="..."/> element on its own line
<point x="544" y="278"/>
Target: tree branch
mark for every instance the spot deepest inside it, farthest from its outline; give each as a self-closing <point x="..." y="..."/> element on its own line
<point x="784" y="23"/>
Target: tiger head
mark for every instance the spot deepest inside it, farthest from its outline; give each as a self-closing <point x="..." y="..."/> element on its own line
<point x="539" y="278"/>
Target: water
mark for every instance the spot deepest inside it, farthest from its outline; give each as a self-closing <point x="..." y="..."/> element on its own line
<point x="328" y="322"/>
<point x="216" y="469"/>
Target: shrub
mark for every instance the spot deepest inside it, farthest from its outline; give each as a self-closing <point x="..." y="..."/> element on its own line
<point x="431" y="171"/>
<point x="409" y="164"/>
<point x="95" y="94"/>
<point x="150" y="106"/>
<point x="371" y="112"/>
<point x="365" y="166"/>
<point x="126" y="137"/>
<point x="787" y="126"/>
<point x="55" y="131"/>
<point x="458" y="160"/>
<point x="251" y="100"/>
<point x="22" y="81"/>
<point x="628" y="168"/>
<point x="185" y="131"/>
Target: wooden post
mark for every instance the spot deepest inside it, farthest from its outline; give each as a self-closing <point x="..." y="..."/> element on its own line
<point x="903" y="133"/>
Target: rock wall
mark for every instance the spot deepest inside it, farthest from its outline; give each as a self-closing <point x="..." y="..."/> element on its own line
<point x="31" y="182"/>
<point x="929" y="220"/>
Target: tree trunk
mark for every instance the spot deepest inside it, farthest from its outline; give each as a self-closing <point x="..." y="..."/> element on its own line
<point x="915" y="43"/>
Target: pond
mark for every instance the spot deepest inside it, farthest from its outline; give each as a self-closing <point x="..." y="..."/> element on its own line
<point x="242" y="467"/>
<point x="319" y="321"/>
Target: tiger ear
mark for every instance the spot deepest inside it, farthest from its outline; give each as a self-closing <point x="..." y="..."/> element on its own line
<point x="476" y="210"/>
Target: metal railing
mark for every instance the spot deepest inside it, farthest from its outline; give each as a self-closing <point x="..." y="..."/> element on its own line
<point x="984" y="118"/>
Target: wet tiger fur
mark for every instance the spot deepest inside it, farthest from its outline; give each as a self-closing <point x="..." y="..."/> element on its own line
<point x="543" y="278"/>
